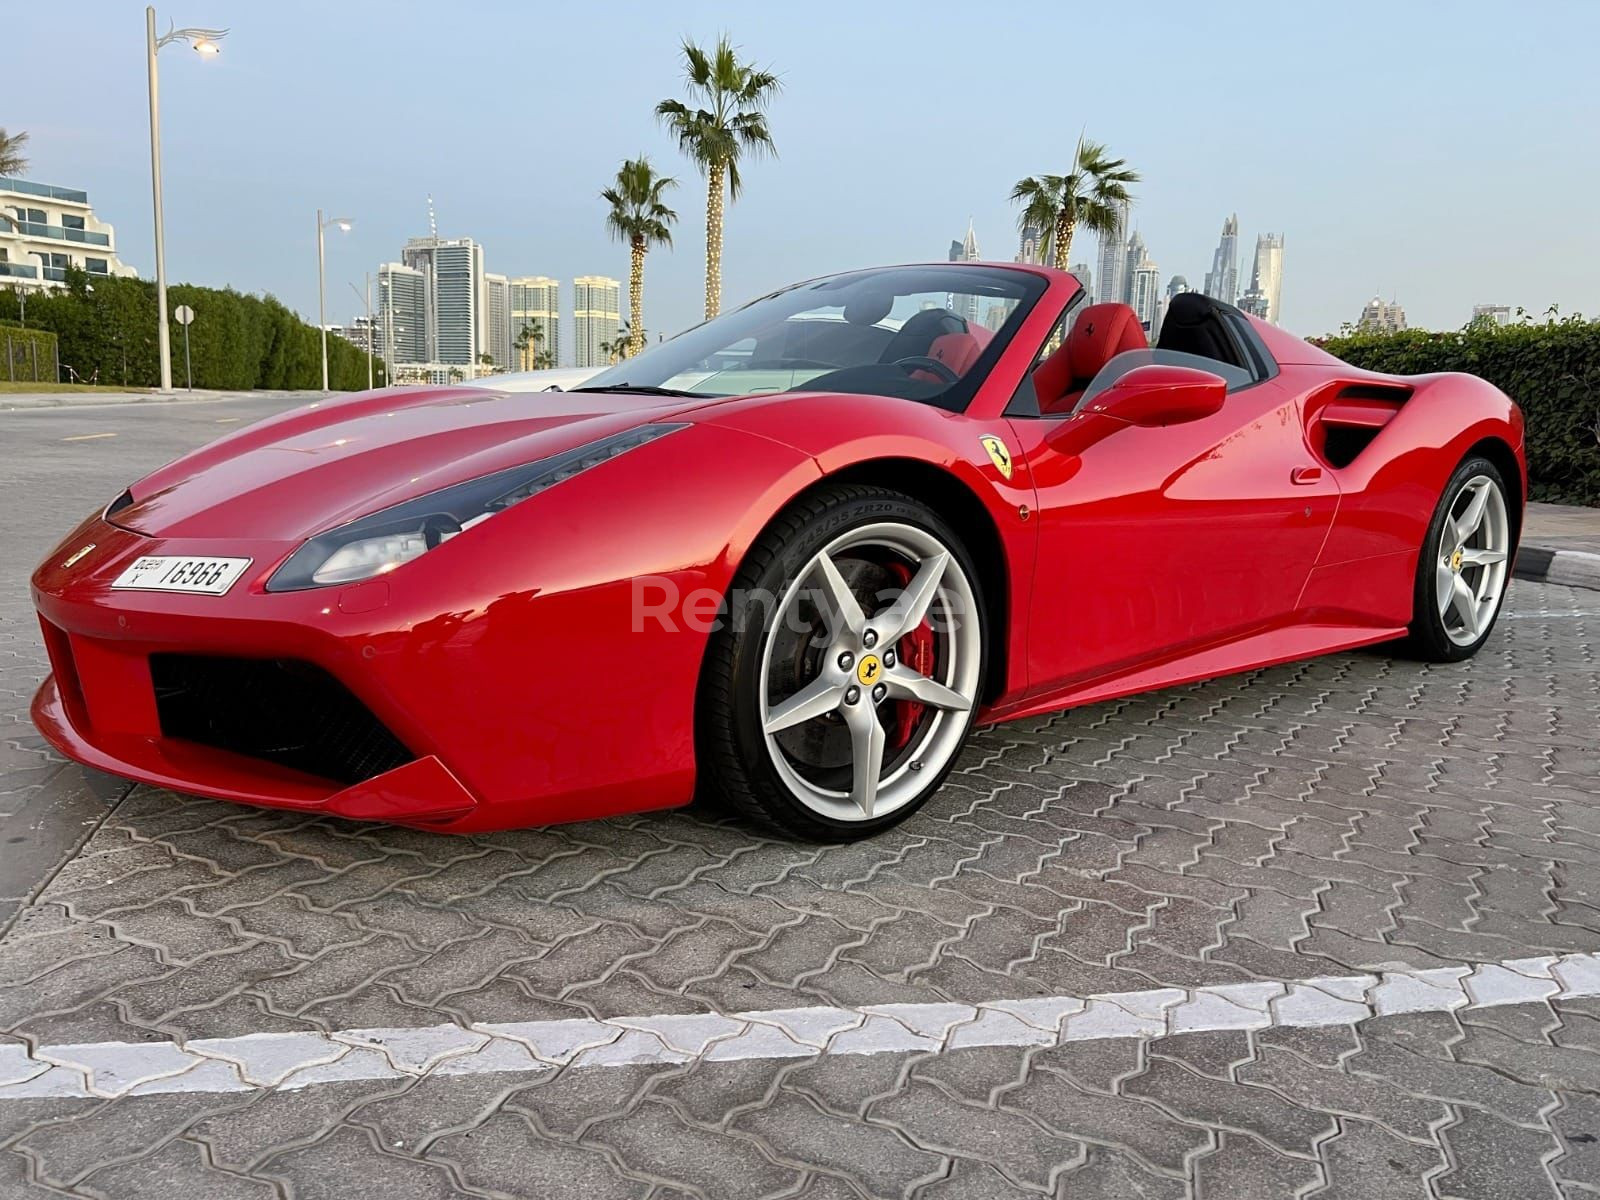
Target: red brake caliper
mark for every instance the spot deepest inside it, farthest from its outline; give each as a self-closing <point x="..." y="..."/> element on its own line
<point x="916" y="651"/>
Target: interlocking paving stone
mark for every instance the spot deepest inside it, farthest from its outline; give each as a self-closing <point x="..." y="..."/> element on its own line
<point x="1203" y="849"/>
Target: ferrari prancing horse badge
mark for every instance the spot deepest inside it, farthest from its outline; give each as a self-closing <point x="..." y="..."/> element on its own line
<point x="998" y="454"/>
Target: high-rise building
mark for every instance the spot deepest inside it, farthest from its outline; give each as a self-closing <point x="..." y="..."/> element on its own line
<point x="1111" y="268"/>
<point x="1084" y="276"/>
<point x="1491" y="314"/>
<point x="1144" y="291"/>
<point x="965" y="250"/>
<point x="536" y="305"/>
<point x="1134" y="255"/>
<point x="596" y="317"/>
<point x="1222" y="281"/>
<point x="1255" y="303"/>
<point x="1266" y="276"/>
<point x="459" y="300"/>
<point x="402" y="313"/>
<point x="1028" y="245"/>
<point x="495" y="336"/>
<point x="1381" y="316"/>
<point x="46" y="229"/>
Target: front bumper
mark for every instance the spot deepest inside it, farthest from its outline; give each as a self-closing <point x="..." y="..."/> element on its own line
<point x="462" y="668"/>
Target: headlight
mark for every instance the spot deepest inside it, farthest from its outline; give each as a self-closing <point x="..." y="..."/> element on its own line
<point x="377" y="544"/>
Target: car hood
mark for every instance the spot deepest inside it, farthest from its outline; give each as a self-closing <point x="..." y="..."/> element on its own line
<point x="320" y="465"/>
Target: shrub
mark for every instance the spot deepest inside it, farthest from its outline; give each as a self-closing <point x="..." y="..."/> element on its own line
<point x="236" y="341"/>
<point x="26" y="355"/>
<point x="1552" y="370"/>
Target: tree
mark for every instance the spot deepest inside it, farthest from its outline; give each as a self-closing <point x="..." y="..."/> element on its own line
<point x="733" y="123"/>
<point x="640" y="218"/>
<point x="622" y="346"/>
<point x="1090" y="195"/>
<point x="12" y="160"/>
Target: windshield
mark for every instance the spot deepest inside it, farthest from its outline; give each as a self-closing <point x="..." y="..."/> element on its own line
<point x="922" y="333"/>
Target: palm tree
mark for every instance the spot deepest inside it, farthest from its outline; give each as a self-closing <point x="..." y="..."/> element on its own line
<point x="622" y="346"/>
<point x="639" y="218"/>
<point x="733" y="123"/>
<point x="1091" y="195"/>
<point x="529" y="340"/>
<point x="12" y="161"/>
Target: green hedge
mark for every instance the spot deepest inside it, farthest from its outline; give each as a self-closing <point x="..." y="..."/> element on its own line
<point x="1552" y="370"/>
<point x="236" y="341"/>
<point x="26" y="355"/>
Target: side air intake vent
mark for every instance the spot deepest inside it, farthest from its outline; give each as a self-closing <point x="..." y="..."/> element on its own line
<point x="1345" y="418"/>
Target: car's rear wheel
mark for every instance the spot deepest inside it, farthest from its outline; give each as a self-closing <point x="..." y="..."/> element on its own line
<point x="1464" y="566"/>
<point x="845" y="678"/>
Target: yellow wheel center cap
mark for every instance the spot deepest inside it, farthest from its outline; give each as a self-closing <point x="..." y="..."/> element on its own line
<point x="1455" y="560"/>
<point x="868" y="670"/>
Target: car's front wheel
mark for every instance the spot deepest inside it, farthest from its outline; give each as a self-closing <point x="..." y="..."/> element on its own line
<point x="846" y="675"/>
<point x="1464" y="566"/>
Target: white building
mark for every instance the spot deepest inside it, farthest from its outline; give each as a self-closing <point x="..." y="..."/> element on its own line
<point x="1266" y="277"/>
<point x="402" y="313"/>
<point x="494" y="338"/>
<point x="536" y="304"/>
<point x="459" y="300"/>
<point x="44" y="229"/>
<point x="1493" y="314"/>
<point x="596" y="317"/>
<point x="1144" y="293"/>
<point x="1111" y="269"/>
<point x="1084" y="276"/>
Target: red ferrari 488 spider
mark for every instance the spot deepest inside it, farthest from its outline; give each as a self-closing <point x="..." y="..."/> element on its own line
<point x="790" y="557"/>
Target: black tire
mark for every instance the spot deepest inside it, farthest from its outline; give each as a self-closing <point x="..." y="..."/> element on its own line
<point x="735" y="769"/>
<point x="1428" y="639"/>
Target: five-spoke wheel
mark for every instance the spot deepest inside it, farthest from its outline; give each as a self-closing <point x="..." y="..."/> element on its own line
<point x="1466" y="560"/>
<point x="842" y="690"/>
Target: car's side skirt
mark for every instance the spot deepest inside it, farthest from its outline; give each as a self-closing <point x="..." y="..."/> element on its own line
<point x="1250" y="653"/>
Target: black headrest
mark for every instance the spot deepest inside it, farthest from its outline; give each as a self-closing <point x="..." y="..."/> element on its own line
<point x="1190" y="308"/>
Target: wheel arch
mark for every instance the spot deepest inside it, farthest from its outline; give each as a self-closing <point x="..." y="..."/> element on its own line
<point x="1500" y="453"/>
<point x="956" y="502"/>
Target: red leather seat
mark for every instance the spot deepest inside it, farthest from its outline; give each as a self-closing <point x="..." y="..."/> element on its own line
<point x="1101" y="332"/>
<point x="958" y="351"/>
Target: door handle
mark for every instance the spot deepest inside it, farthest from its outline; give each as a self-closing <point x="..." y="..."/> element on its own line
<point x="1305" y="475"/>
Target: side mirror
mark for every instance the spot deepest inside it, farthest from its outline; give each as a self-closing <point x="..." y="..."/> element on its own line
<point x="1158" y="394"/>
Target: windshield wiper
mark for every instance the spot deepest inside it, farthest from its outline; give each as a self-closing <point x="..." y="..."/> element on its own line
<point x="642" y="389"/>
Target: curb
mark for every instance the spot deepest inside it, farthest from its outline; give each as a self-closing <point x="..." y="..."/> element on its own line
<point x="25" y="403"/>
<point x="1571" y="568"/>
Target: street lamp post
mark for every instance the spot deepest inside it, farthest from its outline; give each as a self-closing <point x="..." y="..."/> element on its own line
<point x="371" y="345"/>
<point x="322" y="286"/>
<point x="204" y="42"/>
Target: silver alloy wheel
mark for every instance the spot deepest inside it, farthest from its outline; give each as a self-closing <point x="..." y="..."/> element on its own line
<point x="858" y="672"/>
<point x="1474" y="549"/>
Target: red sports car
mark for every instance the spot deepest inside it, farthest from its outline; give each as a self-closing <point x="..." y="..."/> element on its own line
<point x="791" y="556"/>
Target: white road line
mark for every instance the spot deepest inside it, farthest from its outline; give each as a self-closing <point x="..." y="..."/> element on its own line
<point x="87" y="437"/>
<point x="298" y="1060"/>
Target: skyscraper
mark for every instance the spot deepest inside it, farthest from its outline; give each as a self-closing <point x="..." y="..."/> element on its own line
<point x="1222" y="281"/>
<point x="1028" y="245"/>
<point x="1266" y="276"/>
<point x="536" y="303"/>
<point x="596" y="317"/>
<point x="459" y="300"/>
<point x="1144" y="291"/>
<point x="495" y="337"/>
<point x="1084" y="275"/>
<point x="1111" y="268"/>
<point x="1132" y="257"/>
<point x="402" y="313"/>
<point x="965" y="250"/>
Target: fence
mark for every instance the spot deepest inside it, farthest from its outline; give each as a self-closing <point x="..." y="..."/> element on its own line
<point x="29" y="356"/>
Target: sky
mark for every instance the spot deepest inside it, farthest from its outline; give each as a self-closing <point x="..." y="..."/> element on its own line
<point x="1443" y="154"/>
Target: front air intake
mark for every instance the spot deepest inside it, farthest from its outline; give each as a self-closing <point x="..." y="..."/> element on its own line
<point x="280" y="710"/>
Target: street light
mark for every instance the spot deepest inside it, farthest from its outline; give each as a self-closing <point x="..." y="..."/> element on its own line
<point x="204" y="42"/>
<point x="322" y="287"/>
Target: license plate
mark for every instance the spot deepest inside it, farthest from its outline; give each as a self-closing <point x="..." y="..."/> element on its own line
<point x="176" y="573"/>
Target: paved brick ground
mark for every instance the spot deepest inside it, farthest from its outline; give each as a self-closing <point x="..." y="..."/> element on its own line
<point x="1353" y="814"/>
